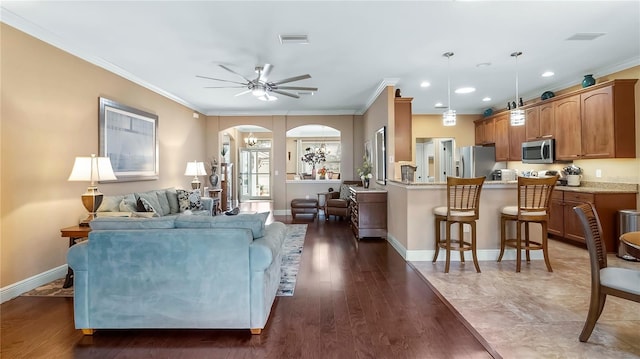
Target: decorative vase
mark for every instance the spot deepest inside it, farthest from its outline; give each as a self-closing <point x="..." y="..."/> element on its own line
<point x="214" y="180"/>
<point x="588" y="81"/>
<point x="365" y="183"/>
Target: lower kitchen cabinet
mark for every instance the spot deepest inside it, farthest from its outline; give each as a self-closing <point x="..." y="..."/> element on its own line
<point x="368" y="212"/>
<point x="564" y="223"/>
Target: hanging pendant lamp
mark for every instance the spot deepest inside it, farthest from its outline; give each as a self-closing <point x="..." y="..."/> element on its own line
<point x="516" y="116"/>
<point x="449" y="116"/>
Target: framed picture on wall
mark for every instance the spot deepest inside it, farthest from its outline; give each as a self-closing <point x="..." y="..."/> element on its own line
<point x="381" y="156"/>
<point x="129" y="137"/>
<point x="367" y="151"/>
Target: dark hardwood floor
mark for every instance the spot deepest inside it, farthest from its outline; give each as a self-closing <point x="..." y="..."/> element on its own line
<point x="352" y="300"/>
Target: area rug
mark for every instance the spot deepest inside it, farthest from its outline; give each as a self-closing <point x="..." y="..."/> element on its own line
<point x="293" y="243"/>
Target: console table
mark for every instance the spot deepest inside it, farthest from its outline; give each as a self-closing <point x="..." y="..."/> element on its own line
<point x="368" y="212"/>
<point x="73" y="233"/>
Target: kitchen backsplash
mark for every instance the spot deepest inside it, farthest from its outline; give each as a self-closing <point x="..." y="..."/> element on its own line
<point x="612" y="170"/>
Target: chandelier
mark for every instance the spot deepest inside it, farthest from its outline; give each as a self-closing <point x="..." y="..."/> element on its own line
<point x="251" y="140"/>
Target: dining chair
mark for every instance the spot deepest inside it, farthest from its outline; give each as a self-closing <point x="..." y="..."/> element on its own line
<point x="534" y="195"/>
<point x="463" y="204"/>
<point x="605" y="280"/>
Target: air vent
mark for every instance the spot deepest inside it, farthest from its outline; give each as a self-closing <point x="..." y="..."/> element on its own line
<point x="294" y="39"/>
<point x="305" y="93"/>
<point x="586" y="36"/>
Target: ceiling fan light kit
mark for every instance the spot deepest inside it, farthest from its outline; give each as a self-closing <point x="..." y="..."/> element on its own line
<point x="261" y="87"/>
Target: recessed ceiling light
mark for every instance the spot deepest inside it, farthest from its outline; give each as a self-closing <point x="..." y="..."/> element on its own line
<point x="439" y="105"/>
<point x="483" y="64"/>
<point x="465" y="90"/>
<point x="294" y="39"/>
<point x="425" y="84"/>
<point x="486" y="99"/>
<point x="547" y="74"/>
<point x="586" y="36"/>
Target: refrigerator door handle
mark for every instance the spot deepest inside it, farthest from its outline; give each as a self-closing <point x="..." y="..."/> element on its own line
<point x="463" y="166"/>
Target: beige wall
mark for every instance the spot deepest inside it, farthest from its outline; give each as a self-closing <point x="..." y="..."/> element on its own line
<point x="379" y="114"/>
<point x="49" y="116"/>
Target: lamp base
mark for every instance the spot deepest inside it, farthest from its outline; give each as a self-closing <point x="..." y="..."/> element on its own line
<point x="85" y="222"/>
<point x="195" y="184"/>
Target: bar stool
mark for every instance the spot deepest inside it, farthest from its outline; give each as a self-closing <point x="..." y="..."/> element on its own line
<point x="463" y="203"/>
<point x="534" y="195"/>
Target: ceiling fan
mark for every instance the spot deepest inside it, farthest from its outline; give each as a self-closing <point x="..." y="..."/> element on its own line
<point x="261" y="87"/>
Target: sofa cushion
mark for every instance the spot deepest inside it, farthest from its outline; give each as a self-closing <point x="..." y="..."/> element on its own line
<point x="110" y="204"/>
<point x="163" y="200"/>
<point x="129" y="203"/>
<point x="254" y="221"/>
<point x="345" y="193"/>
<point x="132" y="223"/>
<point x="150" y="197"/>
<point x="148" y="207"/>
<point x="172" y="197"/>
<point x="339" y="203"/>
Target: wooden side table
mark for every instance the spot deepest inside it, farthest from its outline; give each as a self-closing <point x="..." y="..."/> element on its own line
<point x="215" y="193"/>
<point x="73" y="233"/>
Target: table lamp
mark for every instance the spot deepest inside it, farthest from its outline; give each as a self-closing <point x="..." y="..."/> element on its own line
<point x="195" y="169"/>
<point x="92" y="169"/>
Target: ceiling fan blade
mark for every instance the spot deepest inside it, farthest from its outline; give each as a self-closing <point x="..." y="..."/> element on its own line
<point x="242" y="93"/>
<point x="291" y="79"/>
<point x="225" y="87"/>
<point x="213" y="78"/>
<point x="286" y="93"/>
<point x="297" y="88"/>
<point x="264" y="74"/>
<point x="233" y="72"/>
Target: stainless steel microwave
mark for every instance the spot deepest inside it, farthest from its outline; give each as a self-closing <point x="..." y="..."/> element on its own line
<point x="538" y="151"/>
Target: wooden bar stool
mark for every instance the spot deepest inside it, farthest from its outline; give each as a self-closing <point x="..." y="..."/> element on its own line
<point x="534" y="195"/>
<point x="463" y="203"/>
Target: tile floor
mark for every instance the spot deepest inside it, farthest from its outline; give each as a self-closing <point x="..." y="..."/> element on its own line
<point x="537" y="314"/>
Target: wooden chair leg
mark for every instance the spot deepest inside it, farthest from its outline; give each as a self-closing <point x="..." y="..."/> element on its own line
<point x="447" y="246"/>
<point x="595" y="308"/>
<point x="545" y="249"/>
<point x="461" y="240"/>
<point x="473" y="246"/>
<point x="518" y="245"/>
<point x="503" y="236"/>
<point x="527" y="242"/>
<point x="435" y="256"/>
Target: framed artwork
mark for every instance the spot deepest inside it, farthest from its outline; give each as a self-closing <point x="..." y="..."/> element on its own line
<point x="380" y="163"/>
<point x="129" y="137"/>
<point x="367" y="151"/>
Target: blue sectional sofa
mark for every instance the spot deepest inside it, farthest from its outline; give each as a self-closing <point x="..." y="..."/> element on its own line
<point x="179" y="271"/>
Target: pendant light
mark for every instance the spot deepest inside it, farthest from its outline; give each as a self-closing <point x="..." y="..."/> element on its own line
<point x="516" y="115"/>
<point x="449" y="116"/>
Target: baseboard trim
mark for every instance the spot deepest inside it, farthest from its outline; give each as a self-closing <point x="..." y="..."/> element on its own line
<point x="13" y="290"/>
<point x="282" y="212"/>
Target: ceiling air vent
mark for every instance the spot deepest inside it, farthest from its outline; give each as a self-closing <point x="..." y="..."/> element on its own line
<point x="294" y="39"/>
<point x="586" y="36"/>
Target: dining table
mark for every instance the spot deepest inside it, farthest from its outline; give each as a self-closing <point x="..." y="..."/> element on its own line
<point x="631" y="242"/>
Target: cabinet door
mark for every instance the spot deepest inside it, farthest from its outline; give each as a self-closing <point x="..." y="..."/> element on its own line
<point x="597" y="124"/>
<point x="501" y="128"/>
<point x="532" y="123"/>
<point x="479" y="132"/>
<point x="547" y="121"/>
<point x="572" y="226"/>
<point x="516" y="137"/>
<point x="489" y="131"/>
<point x="556" y="217"/>
<point x="567" y="128"/>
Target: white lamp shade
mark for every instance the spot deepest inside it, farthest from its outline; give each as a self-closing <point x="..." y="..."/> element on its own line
<point x="92" y="169"/>
<point x="195" y="169"/>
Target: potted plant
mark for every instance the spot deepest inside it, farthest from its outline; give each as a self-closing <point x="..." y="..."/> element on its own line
<point x="365" y="172"/>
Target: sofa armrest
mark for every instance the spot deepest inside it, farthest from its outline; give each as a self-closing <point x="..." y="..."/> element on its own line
<point x="207" y="204"/>
<point x="263" y="250"/>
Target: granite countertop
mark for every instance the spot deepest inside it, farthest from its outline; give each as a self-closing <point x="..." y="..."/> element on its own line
<point x="587" y="187"/>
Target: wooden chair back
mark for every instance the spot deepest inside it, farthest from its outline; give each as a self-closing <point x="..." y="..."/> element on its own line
<point x="534" y="195"/>
<point x="593" y="237"/>
<point x="463" y="196"/>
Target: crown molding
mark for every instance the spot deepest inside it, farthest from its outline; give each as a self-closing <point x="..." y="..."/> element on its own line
<point x="41" y="34"/>
<point x="283" y="113"/>
<point x="383" y="84"/>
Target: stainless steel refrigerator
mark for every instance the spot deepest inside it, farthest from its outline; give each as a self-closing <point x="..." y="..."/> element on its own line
<point x="478" y="161"/>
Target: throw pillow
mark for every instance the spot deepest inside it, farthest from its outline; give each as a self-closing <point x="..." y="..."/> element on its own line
<point x="183" y="200"/>
<point x="172" y="196"/>
<point x="344" y="192"/>
<point x="195" y="202"/>
<point x="148" y="207"/>
<point x="129" y="204"/>
<point x="110" y="204"/>
<point x="151" y="197"/>
<point x="164" y="202"/>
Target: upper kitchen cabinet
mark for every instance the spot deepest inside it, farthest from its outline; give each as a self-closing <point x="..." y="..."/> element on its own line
<point x="403" y="139"/>
<point x="516" y="137"/>
<point x="501" y="127"/>
<point x="539" y="122"/>
<point x="567" y="127"/>
<point x="608" y="120"/>
<point x="485" y="131"/>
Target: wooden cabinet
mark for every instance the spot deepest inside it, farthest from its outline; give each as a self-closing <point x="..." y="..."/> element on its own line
<point x="547" y="121"/>
<point x="564" y="223"/>
<point x="485" y="131"/>
<point x="226" y="184"/>
<point x="516" y="137"/>
<point x="501" y="130"/>
<point x="539" y="122"/>
<point x="608" y="121"/>
<point x="532" y="123"/>
<point x="368" y="212"/>
<point x="403" y="135"/>
<point x="567" y="128"/>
